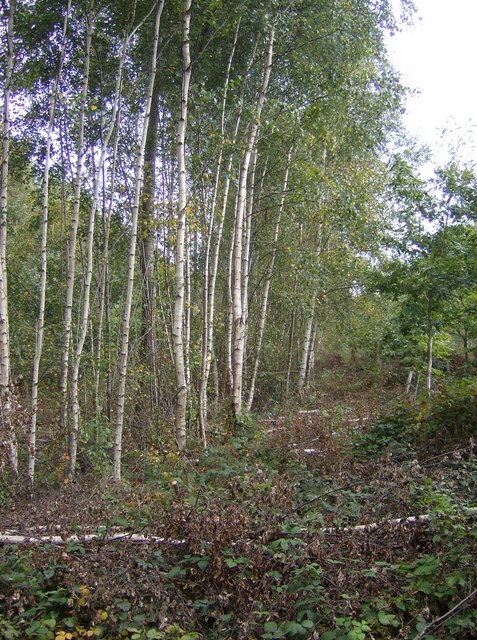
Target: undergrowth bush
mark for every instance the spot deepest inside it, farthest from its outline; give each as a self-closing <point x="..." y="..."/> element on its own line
<point x="263" y="540"/>
<point x="451" y="416"/>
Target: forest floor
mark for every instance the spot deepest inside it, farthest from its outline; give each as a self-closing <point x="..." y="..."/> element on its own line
<point x="287" y="528"/>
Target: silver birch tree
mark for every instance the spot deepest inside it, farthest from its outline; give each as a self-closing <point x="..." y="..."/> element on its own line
<point x="71" y="257"/>
<point x="178" y="318"/>
<point x="40" y="324"/>
<point x="266" y="288"/>
<point x="85" y="311"/>
<point x="5" y="390"/>
<point x="138" y="181"/>
<point x="237" y="301"/>
<point x="211" y="261"/>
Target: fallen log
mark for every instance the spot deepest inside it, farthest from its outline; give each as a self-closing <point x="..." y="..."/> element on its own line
<point x="13" y="537"/>
<point x="9" y="537"/>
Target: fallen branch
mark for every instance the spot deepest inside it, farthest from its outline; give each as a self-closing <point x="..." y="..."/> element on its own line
<point x="470" y="511"/>
<point x="13" y="537"/>
<point x="9" y="537"/>
<point x="438" y="621"/>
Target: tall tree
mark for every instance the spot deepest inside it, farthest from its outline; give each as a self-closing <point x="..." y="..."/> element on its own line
<point x="75" y="219"/>
<point x="40" y="325"/>
<point x="5" y="390"/>
<point x="237" y="271"/>
<point x="178" y="321"/>
<point x="138" y="182"/>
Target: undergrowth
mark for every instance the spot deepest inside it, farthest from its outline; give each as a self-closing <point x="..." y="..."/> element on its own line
<point x="260" y="537"/>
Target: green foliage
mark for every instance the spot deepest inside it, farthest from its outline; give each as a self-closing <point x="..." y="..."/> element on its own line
<point x="395" y="433"/>
<point x="452" y="414"/>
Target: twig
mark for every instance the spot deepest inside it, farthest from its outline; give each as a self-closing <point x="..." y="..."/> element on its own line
<point x="327" y="493"/>
<point x="438" y="621"/>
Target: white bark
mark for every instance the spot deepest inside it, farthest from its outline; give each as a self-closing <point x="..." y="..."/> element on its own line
<point x="266" y="289"/>
<point x="5" y="416"/>
<point x="103" y="293"/>
<point x="237" y="301"/>
<point x="410" y="378"/>
<point x="118" y="436"/>
<point x="305" y="350"/>
<point x="123" y="536"/>
<point x="187" y="310"/>
<point x="85" y="312"/>
<point x="430" y="346"/>
<point x="71" y="261"/>
<point x="12" y="537"/>
<point x="40" y="324"/>
<point x="291" y="337"/>
<point x="178" y="319"/>
<point x="210" y="271"/>
<point x="246" y="250"/>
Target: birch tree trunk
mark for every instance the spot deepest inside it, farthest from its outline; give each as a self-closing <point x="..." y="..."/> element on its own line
<point x="40" y="323"/>
<point x="239" y="327"/>
<point x="147" y="245"/>
<point x="310" y="370"/>
<point x="85" y="312"/>
<point x="305" y="351"/>
<point x="187" y="310"/>
<point x="103" y="293"/>
<point x="210" y="270"/>
<point x="430" y="345"/>
<point x="246" y="252"/>
<point x="178" y="319"/>
<point x="266" y="290"/>
<point x="139" y="175"/>
<point x="5" y="408"/>
<point x="291" y="337"/>
<point x="71" y="258"/>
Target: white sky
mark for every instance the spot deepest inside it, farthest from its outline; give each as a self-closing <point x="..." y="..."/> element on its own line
<point x="438" y="57"/>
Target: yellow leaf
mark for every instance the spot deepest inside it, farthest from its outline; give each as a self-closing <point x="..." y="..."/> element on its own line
<point x="104" y="615"/>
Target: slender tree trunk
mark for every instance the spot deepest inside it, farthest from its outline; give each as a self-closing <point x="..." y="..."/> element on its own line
<point x="40" y="323"/>
<point x="230" y="317"/>
<point x="237" y="301"/>
<point x="291" y="337"/>
<point x="310" y="370"/>
<point x="103" y="292"/>
<point x="430" y="346"/>
<point x="305" y="351"/>
<point x="178" y="321"/>
<point x="266" y="290"/>
<point x="187" y="309"/>
<point x="71" y="259"/>
<point x="85" y="311"/>
<point x="410" y="378"/>
<point x="210" y="270"/>
<point x="246" y="252"/>
<point x="5" y="406"/>
<point x="147" y="246"/>
<point x="118" y="436"/>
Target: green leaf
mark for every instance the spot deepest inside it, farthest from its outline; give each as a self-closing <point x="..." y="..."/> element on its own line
<point x="123" y="605"/>
<point x="49" y="572"/>
<point x="388" y="619"/>
<point x="177" y="570"/>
